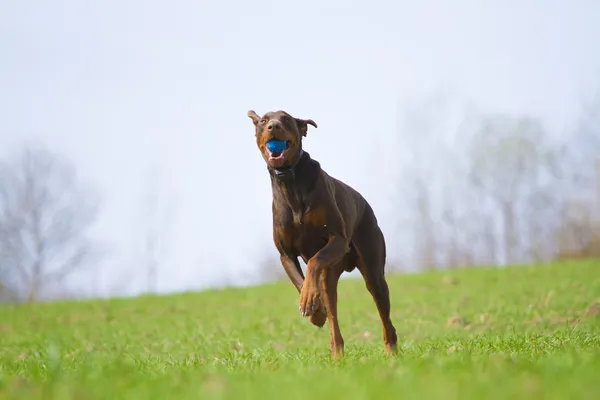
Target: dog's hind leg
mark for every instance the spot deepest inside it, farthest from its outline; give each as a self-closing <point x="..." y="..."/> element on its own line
<point x="377" y="286"/>
<point x="329" y="285"/>
<point x="371" y="264"/>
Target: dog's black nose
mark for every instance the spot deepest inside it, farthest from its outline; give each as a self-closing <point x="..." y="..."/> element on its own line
<point x="274" y="125"/>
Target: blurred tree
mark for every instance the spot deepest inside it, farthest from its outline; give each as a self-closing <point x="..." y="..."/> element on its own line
<point x="45" y="214"/>
<point x="578" y="234"/>
<point x="157" y="215"/>
<point x="424" y="125"/>
<point x="510" y="159"/>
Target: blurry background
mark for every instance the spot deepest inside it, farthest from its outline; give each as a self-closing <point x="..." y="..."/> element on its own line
<point x="128" y="164"/>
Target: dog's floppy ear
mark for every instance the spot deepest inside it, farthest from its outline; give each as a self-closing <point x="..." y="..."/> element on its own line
<point x="253" y="116"/>
<point x="303" y="125"/>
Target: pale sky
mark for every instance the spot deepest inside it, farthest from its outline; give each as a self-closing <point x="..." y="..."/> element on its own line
<point x="122" y="86"/>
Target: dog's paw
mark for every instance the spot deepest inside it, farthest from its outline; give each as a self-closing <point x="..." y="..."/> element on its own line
<point x="309" y="300"/>
<point x="319" y="318"/>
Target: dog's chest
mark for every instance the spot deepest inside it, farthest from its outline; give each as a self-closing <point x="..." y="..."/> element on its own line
<point x="304" y="233"/>
<point x="298" y="217"/>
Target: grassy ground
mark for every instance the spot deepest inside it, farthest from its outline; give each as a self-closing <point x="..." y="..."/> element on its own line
<point x="522" y="332"/>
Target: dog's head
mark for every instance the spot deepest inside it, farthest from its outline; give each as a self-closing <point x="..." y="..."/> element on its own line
<point x="279" y="125"/>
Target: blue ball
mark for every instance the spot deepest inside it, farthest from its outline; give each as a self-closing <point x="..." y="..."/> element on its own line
<point x="276" y="145"/>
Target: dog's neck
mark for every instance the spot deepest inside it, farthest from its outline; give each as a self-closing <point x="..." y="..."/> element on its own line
<point x="292" y="185"/>
<point x="288" y="173"/>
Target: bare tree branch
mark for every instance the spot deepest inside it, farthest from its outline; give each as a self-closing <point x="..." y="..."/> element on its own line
<point x="45" y="214"/>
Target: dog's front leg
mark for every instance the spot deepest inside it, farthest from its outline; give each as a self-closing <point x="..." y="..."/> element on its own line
<point x="335" y="249"/>
<point x="293" y="270"/>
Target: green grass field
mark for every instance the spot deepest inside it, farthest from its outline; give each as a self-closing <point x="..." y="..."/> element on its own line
<point x="518" y="332"/>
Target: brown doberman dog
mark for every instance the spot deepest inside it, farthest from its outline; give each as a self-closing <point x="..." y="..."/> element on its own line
<point x="324" y="221"/>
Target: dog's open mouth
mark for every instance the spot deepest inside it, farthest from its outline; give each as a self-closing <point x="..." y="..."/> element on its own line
<point x="278" y="155"/>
